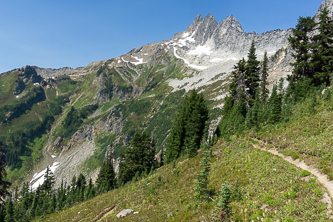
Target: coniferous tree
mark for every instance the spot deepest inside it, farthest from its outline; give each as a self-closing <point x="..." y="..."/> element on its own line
<point x="263" y="82"/>
<point x="322" y="57"/>
<point x="275" y="103"/>
<point x="223" y="209"/>
<point x="188" y="129"/>
<point x="200" y="185"/>
<point x="301" y="44"/>
<point x="139" y="157"/>
<point x="106" y="176"/>
<point x="239" y="84"/>
<point x="252" y="73"/>
<point x="195" y="123"/>
<point x="49" y="181"/>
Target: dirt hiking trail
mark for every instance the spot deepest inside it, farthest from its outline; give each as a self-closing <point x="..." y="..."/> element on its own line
<point x="322" y="178"/>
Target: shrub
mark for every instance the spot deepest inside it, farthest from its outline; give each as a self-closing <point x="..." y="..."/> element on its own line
<point x="304" y="173"/>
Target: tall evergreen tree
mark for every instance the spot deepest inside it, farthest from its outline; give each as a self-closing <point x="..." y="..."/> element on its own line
<point x="301" y="44"/>
<point x="107" y="176"/>
<point x="188" y="129"/>
<point x="263" y="82"/>
<point x="49" y="181"/>
<point x="322" y="58"/>
<point x="195" y="123"/>
<point x="139" y="157"/>
<point x="239" y="86"/>
<point x="252" y="72"/>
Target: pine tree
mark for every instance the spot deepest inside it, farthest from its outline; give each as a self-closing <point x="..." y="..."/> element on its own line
<point x="239" y="84"/>
<point x="106" y="176"/>
<point x="275" y="103"/>
<point x="301" y="45"/>
<point x="322" y="58"/>
<point x="223" y="209"/>
<point x="139" y="157"/>
<point x="188" y="129"/>
<point x="200" y="185"/>
<point x="263" y="82"/>
<point x="252" y="72"/>
<point x="49" y="181"/>
<point x="234" y="121"/>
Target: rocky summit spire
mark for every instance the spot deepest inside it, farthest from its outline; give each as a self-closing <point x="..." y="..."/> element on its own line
<point x="231" y="23"/>
<point x="205" y="29"/>
<point x="197" y="21"/>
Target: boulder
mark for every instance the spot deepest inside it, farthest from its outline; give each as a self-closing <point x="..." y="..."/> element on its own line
<point x="124" y="212"/>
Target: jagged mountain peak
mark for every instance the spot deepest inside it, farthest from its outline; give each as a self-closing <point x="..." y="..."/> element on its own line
<point x="205" y="29"/>
<point x="231" y="23"/>
<point x="198" y="19"/>
<point x="196" y="22"/>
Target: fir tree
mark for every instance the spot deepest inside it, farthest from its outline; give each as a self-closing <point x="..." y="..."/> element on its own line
<point x="223" y="209"/>
<point x="238" y="86"/>
<point x="322" y="58"/>
<point x="48" y="181"/>
<point x="252" y="73"/>
<point x="275" y="103"/>
<point x="200" y="185"/>
<point x="188" y="129"/>
<point x="139" y="157"/>
<point x="263" y="82"/>
<point x="106" y="176"/>
<point x="301" y="45"/>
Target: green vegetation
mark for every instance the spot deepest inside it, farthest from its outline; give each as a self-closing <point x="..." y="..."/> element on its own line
<point x="74" y="120"/>
<point x="138" y="158"/>
<point x="188" y="129"/>
<point x="265" y="180"/>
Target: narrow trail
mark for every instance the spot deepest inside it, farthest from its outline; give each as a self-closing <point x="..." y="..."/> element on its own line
<point x="322" y="178"/>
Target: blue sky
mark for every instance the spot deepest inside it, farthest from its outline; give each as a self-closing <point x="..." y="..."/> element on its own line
<point x="55" y="34"/>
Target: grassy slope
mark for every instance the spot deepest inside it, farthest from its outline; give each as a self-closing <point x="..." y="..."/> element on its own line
<point x="167" y="195"/>
<point x="307" y="136"/>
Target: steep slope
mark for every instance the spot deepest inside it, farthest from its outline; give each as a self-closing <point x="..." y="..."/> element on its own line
<point x="271" y="189"/>
<point x="136" y="92"/>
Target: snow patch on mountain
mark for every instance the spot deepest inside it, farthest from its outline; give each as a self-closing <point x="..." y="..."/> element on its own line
<point x="200" y="50"/>
<point x="39" y="178"/>
<point x="140" y="61"/>
<point x="187" y="62"/>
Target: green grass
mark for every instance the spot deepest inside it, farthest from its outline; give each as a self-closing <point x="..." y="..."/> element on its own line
<point x="7" y="84"/>
<point x="167" y="195"/>
<point x="307" y="135"/>
<point x="109" y="104"/>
